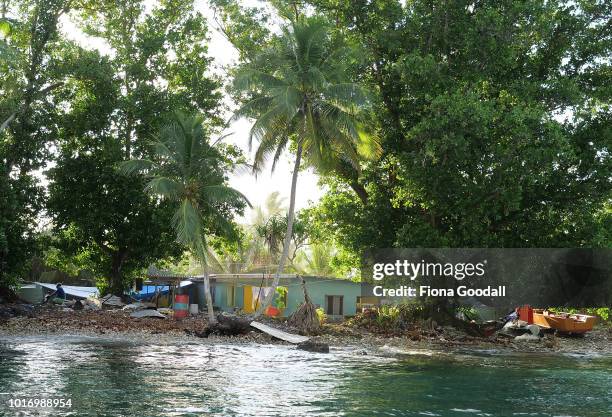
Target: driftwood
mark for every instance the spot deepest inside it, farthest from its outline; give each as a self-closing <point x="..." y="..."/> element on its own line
<point x="227" y="325"/>
<point x="305" y="318"/>
<point x="279" y="334"/>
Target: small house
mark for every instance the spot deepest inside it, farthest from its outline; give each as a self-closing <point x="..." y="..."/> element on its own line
<point x="243" y="292"/>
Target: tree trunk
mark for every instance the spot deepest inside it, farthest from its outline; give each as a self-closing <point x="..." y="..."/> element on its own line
<point x="8" y="121"/>
<point x="360" y="191"/>
<point x="116" y="281"/>
<point x="209" y="301"/>
<point x="287" y="242"/>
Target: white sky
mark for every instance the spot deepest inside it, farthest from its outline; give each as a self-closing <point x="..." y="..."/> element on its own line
<point x="255" y="188"/>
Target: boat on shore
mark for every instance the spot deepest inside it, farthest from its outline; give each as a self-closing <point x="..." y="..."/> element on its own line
<point x="564" y="322"/>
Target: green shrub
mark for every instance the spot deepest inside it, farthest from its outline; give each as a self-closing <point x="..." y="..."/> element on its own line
<point x="321" y="315"/>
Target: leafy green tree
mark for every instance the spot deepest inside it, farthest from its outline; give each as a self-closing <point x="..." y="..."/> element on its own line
<point x="112" y="105"/>
<point x="494" y="119"/>
<point x="28" y="85"/>
<point x="108" y="216"/>
<point x="191" y="173"/>
<point x="297" y="91"/>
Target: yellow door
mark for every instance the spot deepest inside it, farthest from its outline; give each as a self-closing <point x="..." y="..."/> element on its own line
<point x="248" y="298"/>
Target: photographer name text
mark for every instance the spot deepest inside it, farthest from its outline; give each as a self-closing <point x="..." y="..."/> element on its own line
<point x="428" y="291"/>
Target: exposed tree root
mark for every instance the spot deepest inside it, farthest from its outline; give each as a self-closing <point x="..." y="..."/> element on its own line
<point x="305" y="318"/>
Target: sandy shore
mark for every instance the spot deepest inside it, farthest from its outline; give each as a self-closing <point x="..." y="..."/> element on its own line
<point x="119" y="324"/>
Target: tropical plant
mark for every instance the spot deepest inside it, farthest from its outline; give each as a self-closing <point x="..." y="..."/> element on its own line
<point x="321" y="315"/>
<point x="111" y="104"/>
<point x="298" y="94"/>
<point x="274" y="205"/>
<point x="281" y="294"/>
<point x="191" y="172"/>
<point x="29" y="84"/>
<point x="317" y="260"/>
<point x="272" y="232"/>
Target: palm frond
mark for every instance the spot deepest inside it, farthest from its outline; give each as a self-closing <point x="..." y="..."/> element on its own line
<point x="252" y="108"/>
<point x="188" y="224"/>
<point x="165" y="187"/>
<point x="280" y="148"/>
<point x="250" y="78"/>
<point x="269" y="143"/>
<point x="224" y="194"/>
<point x="135" y="166"/>
<point x="347" y="95"/>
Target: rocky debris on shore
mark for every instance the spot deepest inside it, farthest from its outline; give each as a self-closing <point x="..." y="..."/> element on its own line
<point x="50" y="319"/>
<point x="314" y="346"/>
<point x="147" y="313"/>
<point x="8" y="311"/>
<point x="56" y="319"/>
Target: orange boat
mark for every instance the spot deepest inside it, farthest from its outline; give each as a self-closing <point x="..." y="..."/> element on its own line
<point x="564" y="322"/>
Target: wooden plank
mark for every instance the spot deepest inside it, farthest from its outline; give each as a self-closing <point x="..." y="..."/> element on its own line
<point x="279" y="334"/>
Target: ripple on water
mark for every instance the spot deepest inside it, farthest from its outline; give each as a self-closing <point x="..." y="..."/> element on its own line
<point x="126" y="377"/>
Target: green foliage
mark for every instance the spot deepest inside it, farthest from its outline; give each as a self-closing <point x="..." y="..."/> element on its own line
<point x="190" y="173"/>
<point x="388" y="316"/>
<point x="281" y="296"/>
<point x="112" y="106"/>
<point x="297" y="90"/>
<point x="28" y="84"/>
<point x="273" y="231"/>
<point x="602" y="312"/>
<point x="494" y="123"/>
<point x="392" y="319"/>
<point x="247" y="28"/>
<point x="113" y="223"/>
<point x="321" y="315"/>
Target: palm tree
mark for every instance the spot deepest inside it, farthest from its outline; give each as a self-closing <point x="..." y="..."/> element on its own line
<point x="299" y="94"/>
<point x="317" y="260"/>
<point x="190" y="172"/>
<point x="275" y="204"/>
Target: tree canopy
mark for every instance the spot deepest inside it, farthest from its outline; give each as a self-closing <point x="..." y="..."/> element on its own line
<point x="493" y="117"/>
<point x="492" y="123"/>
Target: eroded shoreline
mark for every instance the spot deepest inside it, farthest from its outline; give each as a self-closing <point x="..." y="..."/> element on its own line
<point x="117" y="324"/>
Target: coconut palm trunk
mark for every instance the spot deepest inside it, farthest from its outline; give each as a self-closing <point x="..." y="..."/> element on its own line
<point x="207" y="293"/>
<point x="298" y="90"/>
<point x="287" y="241"/>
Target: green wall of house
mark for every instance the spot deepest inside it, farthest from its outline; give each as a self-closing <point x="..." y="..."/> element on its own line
<point x="318" y="289"/>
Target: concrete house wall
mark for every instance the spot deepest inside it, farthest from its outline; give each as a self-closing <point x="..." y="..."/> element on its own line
<point x="318" y="288"/>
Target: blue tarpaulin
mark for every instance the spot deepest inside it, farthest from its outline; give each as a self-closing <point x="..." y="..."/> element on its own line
<point x="148" y="291"/>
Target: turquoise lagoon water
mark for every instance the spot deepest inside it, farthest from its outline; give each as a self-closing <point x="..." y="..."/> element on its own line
<point x="106" y="377"/>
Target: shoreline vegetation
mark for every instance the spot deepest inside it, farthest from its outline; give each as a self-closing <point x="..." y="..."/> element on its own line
<point x="422" y="335"/>
<point x="463" y="126"/>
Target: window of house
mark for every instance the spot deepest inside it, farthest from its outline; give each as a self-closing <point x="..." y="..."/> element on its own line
<point x="334" y="305"/>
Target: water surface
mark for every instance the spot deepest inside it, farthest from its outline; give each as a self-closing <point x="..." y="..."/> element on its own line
<point x="107" y="377"/>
